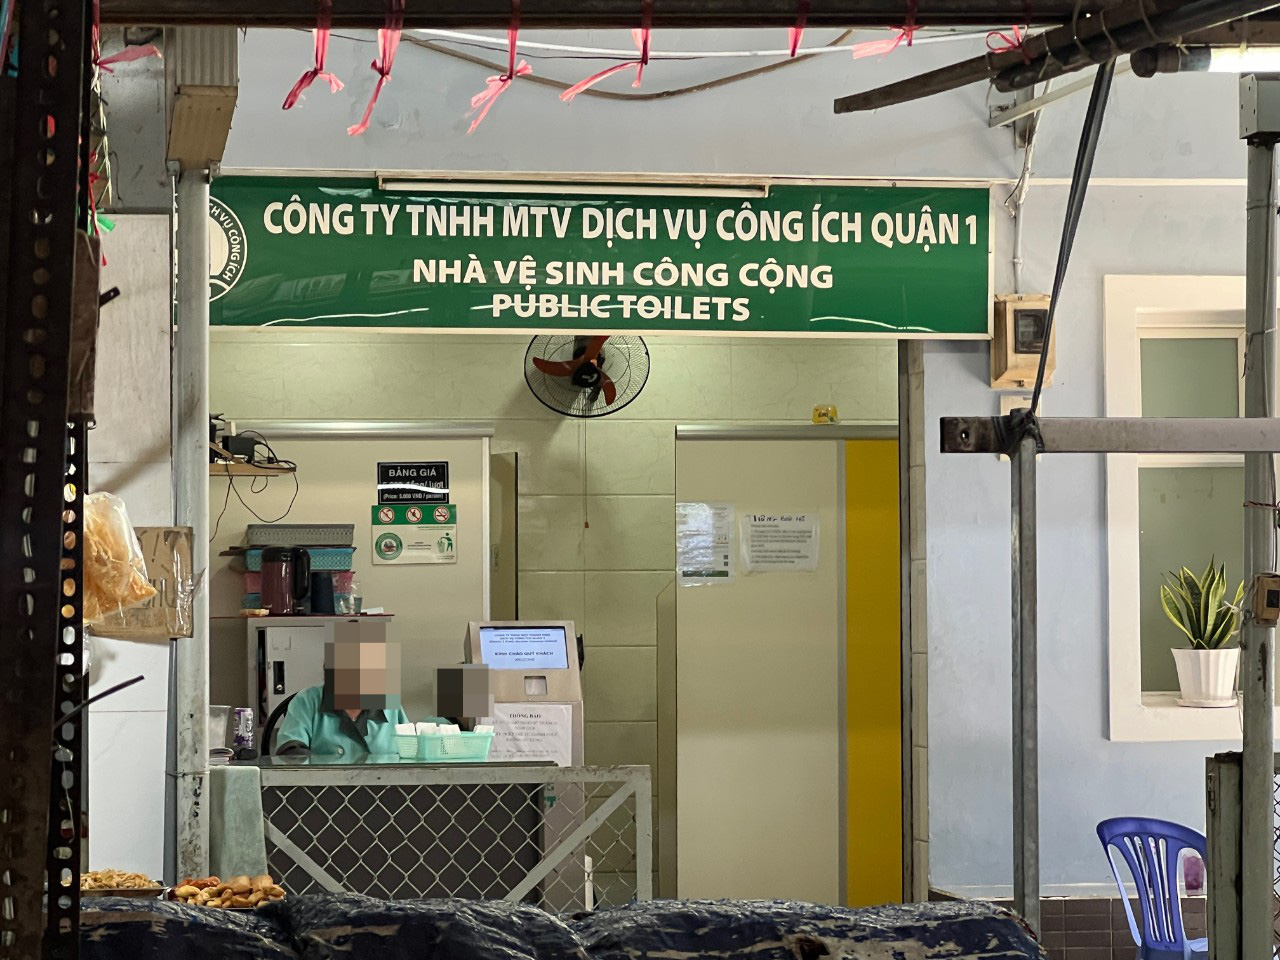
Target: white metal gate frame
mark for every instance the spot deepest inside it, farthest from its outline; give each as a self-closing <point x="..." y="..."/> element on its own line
<point x="631" y="781"/>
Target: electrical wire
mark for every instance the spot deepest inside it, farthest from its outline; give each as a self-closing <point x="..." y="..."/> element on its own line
<point x="604" y="53"/>
<point x="1017" y="197"/>
<point x="596" y="93"/>
<point x="94" y="699"/>
<point x="1075" y="204"/>
<point x="272" y="462"/>
<point x="836" y="45"/>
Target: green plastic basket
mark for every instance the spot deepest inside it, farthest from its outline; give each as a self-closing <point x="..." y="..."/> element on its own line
<point x="446" y="747"/>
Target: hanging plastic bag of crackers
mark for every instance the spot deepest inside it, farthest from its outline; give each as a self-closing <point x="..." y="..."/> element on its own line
<point x="115" y="576"/>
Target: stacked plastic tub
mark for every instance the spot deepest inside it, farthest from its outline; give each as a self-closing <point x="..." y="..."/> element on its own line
<point x="330" y="546"/>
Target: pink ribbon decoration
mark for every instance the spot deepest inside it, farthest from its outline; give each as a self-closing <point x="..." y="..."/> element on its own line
<point x="388" y="43"/>
<point x="998" y="42"/>
<point x="907" y="32"/>
<point x="641" y="39"/>
<point x="127" y="55"/>
<point x="324" y="17"/>
<point x="495" y="86"/>
<point x="797" y="32"/>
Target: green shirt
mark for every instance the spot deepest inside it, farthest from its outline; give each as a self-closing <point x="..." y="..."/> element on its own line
<point x="333" y="732"/>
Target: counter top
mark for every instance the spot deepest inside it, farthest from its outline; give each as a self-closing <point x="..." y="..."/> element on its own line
<point x="377" y="760"/>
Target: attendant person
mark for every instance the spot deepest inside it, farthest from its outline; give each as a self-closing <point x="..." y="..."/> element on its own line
<point x="355" y="711"/>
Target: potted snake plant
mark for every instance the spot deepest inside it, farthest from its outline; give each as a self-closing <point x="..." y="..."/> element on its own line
<point x="1198" y="606"/>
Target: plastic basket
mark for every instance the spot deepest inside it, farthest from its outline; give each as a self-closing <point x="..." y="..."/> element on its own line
<point x="322" y="559"/>
<point x="300" y="535"/>
<point x="446" y="747"/>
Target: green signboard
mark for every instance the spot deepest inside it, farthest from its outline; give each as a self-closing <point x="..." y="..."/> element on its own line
<point x="790" y="261"/>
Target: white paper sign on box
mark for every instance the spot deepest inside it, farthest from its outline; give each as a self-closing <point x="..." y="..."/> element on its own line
<point x="533" y="731"/>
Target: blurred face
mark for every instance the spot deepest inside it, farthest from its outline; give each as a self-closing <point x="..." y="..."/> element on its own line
<point x="362" y="676"/>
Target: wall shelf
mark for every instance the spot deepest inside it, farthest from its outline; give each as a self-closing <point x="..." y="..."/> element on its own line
<point x="247" y="470"/>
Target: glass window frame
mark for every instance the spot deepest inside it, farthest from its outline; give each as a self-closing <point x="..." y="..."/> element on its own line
<point x="1135" y="307"/>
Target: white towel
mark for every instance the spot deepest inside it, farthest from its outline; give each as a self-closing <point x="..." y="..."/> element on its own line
<point x="447" y="728"/>
<point x="404" y="730"/>
<point x="427" y="729"/>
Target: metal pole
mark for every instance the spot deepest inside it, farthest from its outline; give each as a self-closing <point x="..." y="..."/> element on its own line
<point x="1257" y="682"/>
<point x="190" y="710"/>
<point x="1026" y="775"/>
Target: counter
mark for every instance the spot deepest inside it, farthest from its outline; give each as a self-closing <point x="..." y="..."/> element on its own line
<point x="566" y="838"/>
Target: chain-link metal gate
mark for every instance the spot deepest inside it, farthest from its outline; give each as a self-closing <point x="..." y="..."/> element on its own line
<point x="567" y="839"/>
<point x="1223" y="774"/>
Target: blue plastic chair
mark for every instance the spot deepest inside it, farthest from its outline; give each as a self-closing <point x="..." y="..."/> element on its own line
<point x="1153" y="851"/>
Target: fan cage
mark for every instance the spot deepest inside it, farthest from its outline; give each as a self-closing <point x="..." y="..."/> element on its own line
<point x="626" y="363"/>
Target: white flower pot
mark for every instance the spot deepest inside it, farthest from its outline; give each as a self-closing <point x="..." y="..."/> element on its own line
<point x="1207" y="677"/>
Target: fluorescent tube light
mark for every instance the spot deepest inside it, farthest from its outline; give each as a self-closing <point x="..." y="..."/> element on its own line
<point x="1244" y="59"/>
<point x="746" y="191"/>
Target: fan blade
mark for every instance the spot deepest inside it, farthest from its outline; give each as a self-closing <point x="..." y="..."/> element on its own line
<point x="557" y="368"/>
<point x="610" y="391"/>
<point x="594" y="346"/>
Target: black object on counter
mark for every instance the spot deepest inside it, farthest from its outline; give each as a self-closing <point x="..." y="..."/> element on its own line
<point x="322" y="593"/>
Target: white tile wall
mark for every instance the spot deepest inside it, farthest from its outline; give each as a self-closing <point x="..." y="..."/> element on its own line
<point x="630" y="533"/>
<point x="637" y="741"/>
<point x="554" y="596"/>
<point x="550" y="533"/>
<point x="618" y="683"/>
<point x="115" y="661"/>
<point x="631" y="457"/>
<point x="621" y="606"/>
<point x="129" y="455"/>
<point x="550" y="454"/>
<point x="126" y="790"/>
<point x="784" y="381"/>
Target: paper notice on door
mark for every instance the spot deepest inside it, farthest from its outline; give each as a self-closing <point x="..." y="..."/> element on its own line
<point x="704" y="543"/>
<point x="533" y="731"/>
<point x="779" y="542"/>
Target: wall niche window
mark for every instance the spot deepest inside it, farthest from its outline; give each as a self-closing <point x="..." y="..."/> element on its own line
<point x="1174" y="347"/>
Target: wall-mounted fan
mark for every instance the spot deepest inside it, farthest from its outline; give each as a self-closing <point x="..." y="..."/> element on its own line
<point x="582" y="376"/>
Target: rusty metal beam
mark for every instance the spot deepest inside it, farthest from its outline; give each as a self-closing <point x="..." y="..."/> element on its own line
<point x="1115" y="435"/>
<point x="1124" y="27"/>
<point x="1128" y="38"/>
<point x="590" y="14"/>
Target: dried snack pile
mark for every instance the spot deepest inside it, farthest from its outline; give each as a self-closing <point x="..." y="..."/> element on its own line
<point x="241" y="891"/>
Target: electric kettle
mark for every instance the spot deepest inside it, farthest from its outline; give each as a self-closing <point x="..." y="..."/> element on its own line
<point x="286" y="580"/>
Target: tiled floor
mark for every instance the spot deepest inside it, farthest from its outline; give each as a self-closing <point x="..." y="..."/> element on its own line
<point x="1096" y="928"/>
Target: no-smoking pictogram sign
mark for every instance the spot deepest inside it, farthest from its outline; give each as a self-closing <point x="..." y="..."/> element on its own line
<point x="441" y="514"/>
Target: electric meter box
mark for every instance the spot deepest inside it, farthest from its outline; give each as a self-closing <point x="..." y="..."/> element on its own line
<point x="1020" y="322"/>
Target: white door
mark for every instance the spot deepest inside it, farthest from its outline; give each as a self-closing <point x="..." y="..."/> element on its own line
<point x="758" y="687"/>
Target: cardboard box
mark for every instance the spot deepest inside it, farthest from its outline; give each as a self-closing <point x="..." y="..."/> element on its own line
<point x="167" y="554"/>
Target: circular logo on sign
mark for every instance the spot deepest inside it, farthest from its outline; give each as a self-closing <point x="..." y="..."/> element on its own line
<point x="413" y="514"/>
<point x="388" y="546"/>
<point x="386" y="515"/>
<point x="441" y="514"/>
<point x="227" y="248"/>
